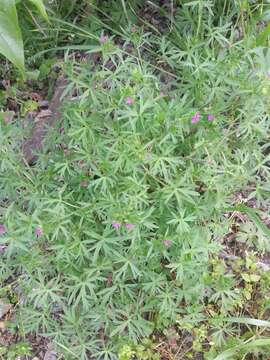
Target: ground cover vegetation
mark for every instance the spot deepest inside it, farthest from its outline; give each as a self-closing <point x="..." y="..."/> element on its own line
<point x="141" y="229"/>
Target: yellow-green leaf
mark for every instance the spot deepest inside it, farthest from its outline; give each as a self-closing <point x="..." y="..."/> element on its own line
<point x="254" y="277"/>
<point x="247" y="294"/>
<point x="246" y="277"/>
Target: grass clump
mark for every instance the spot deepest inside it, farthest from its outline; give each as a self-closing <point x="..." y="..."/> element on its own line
<point x="115" y="233"/>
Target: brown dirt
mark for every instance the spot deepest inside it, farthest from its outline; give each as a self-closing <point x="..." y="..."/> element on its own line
<point x="43" y="121"/>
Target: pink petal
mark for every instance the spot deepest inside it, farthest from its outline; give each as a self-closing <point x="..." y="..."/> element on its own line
<point x="167" y="243"/>
<point x="103" y="39"/>
<point x="129" y="226"/>
<point x="195" y="118"/>
<point x="129" y="101"/>
<point x="210" y="117"/>
<point x="38" y="232"/>
<point x="116" y="225"/>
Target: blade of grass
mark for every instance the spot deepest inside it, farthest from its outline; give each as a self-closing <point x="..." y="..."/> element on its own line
<point x="228" y="354"/>
<point x="125" y="9"/>
<point x="248" y="321"/>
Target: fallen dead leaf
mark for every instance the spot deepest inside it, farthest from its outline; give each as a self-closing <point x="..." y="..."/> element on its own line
<point x="4" y="307"/>
<point x="2" y="325"/>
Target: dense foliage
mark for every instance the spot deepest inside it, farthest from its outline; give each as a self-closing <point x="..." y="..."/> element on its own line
<point x="116" y="232"/>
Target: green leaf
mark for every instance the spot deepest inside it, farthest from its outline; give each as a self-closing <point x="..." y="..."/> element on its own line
<point x="11" y="44"/>
<point x="254" y="277"/>
<point x="246" y="277"/>
<point x="228" y="354"/>
<point x="262" y="37"/>
<point x="40" y="7"/>
<point x="248" y="321"/>
<point x="239" y="320"/>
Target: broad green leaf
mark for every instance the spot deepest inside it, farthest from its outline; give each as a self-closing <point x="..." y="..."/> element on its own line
<point x="11" y="44"/>
<point x="40" y="7"/>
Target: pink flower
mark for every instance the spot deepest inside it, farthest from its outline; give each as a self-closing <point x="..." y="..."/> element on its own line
<point x="210" y="117"/>
<point x="3" y="229"/>
<point x="129" y="100"/>
<point x="129" y="226"/>
<point x="116" y="225"/>
<point x="38" y="232"/>
<point x="103" y="39"/>
<point x="133" y="28"/>
<point x="167" y="243"/>
<point x="195" y="118"/>
<point x="162" y="94"/>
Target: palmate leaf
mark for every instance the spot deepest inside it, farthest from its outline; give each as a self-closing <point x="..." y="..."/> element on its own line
<point x="11" y="44"/>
